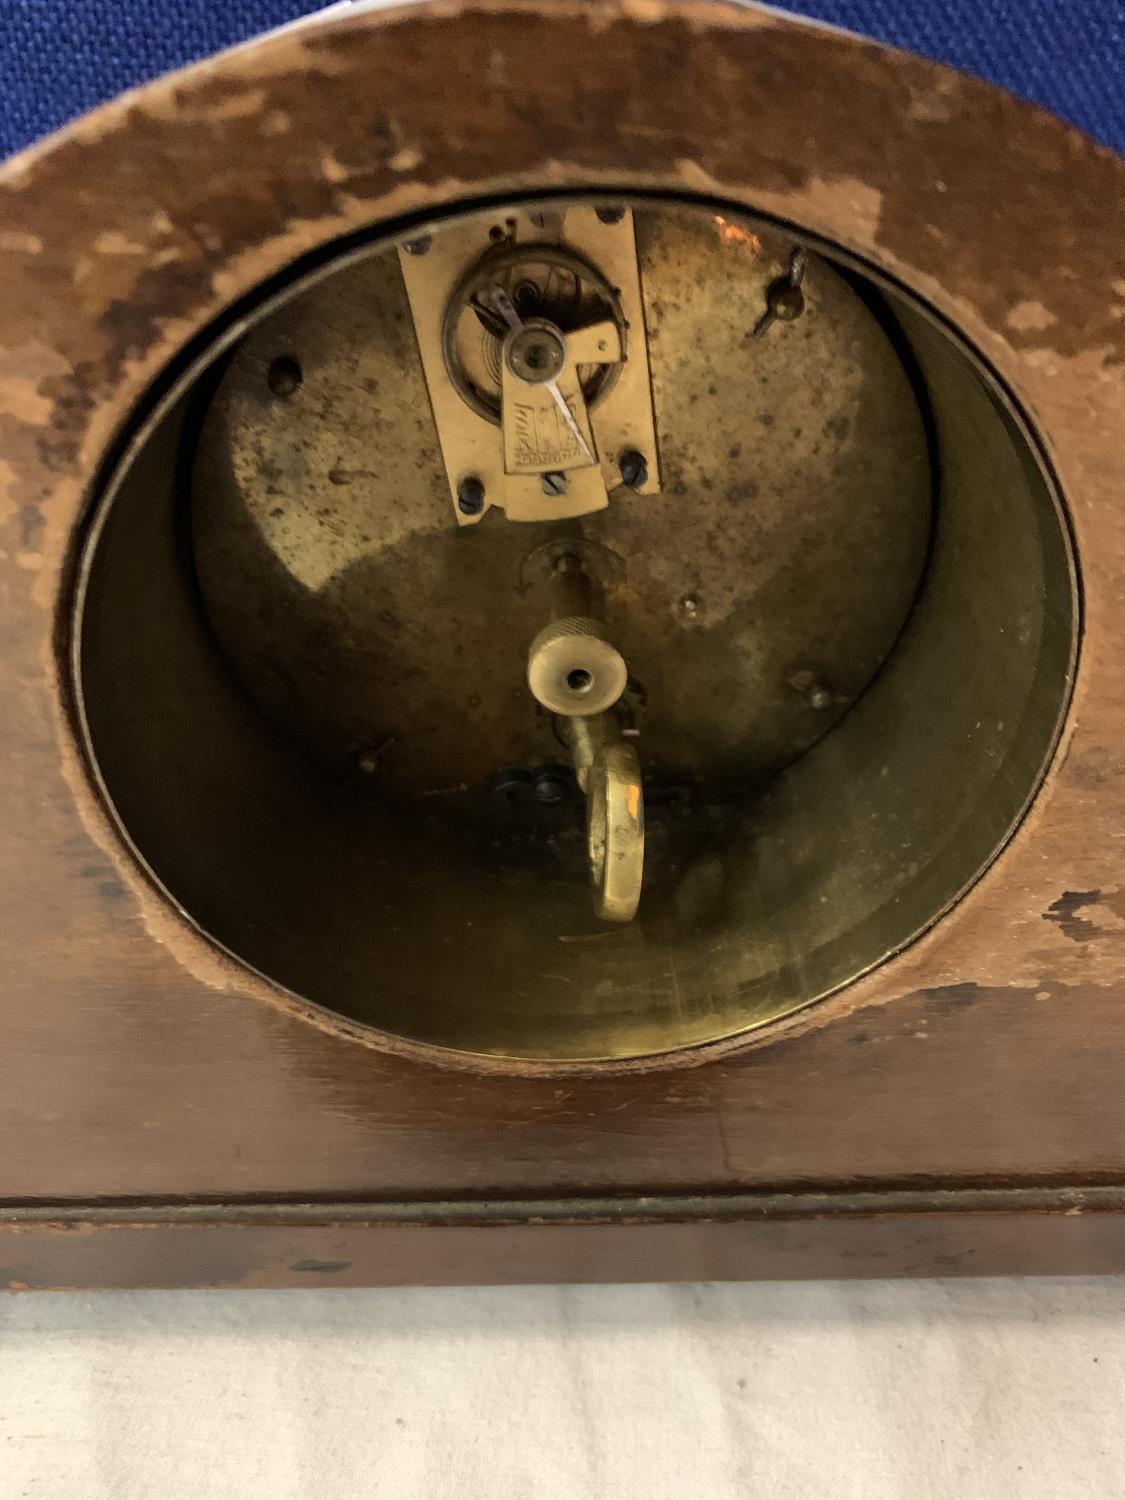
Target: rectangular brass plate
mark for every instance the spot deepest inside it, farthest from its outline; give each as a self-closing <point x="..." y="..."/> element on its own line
<point x="473" y="446"/>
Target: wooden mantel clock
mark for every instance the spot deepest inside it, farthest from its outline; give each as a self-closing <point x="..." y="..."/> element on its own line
<point x="564" y="605"/>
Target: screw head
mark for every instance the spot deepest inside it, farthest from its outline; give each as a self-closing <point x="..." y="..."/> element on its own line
<point x="552" y="785"/>
<point x="553" y="484"/>
<point x="786" y="301"/>
<point x="689" y="606"/>
<point x="511" y="788"/>
<point x="634" y="469"/>
<point x="819" y="697"/>
<point x="535" y="354"/>
<point x="470" y="496"/>
<point x="420" y="246"/>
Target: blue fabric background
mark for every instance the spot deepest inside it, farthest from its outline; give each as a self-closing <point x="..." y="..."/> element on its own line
<point x="61" y="57"/>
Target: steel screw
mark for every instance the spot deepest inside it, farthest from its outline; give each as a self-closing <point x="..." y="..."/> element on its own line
<point x="420" y="246"/>
<point x="689" y="606"/>
<point x="509" y="788"/>
<point x="552" y="785"/>
<point x="634" y="469"/>
<point x="553" y="484"/>
<point x="784" y="298"/>
<point x="786" y="301"/>
<point x="470" y="496"/>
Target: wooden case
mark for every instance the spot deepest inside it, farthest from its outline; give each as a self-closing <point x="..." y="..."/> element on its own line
<point x="170" y="1119"/>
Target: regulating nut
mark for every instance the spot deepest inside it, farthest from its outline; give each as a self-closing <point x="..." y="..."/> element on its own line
<point x="572" y="669"/>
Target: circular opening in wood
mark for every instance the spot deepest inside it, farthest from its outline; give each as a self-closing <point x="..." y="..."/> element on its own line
<point x="839" y="576"/>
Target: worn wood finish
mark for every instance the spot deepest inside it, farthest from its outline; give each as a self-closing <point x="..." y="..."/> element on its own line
<point x="779" y="1236"/>
<point x="142" y="1066"/>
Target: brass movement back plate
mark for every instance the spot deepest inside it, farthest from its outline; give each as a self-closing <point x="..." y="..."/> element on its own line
<point x="753" y="597"/>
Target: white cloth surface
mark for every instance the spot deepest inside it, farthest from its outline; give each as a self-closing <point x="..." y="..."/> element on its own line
<point x="847" y="1391"/>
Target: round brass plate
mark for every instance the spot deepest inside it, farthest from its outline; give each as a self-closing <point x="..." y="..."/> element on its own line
<point x="754" y="597"/>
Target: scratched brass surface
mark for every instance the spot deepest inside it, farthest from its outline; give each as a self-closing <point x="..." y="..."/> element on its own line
<point x="794" y="516"/>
